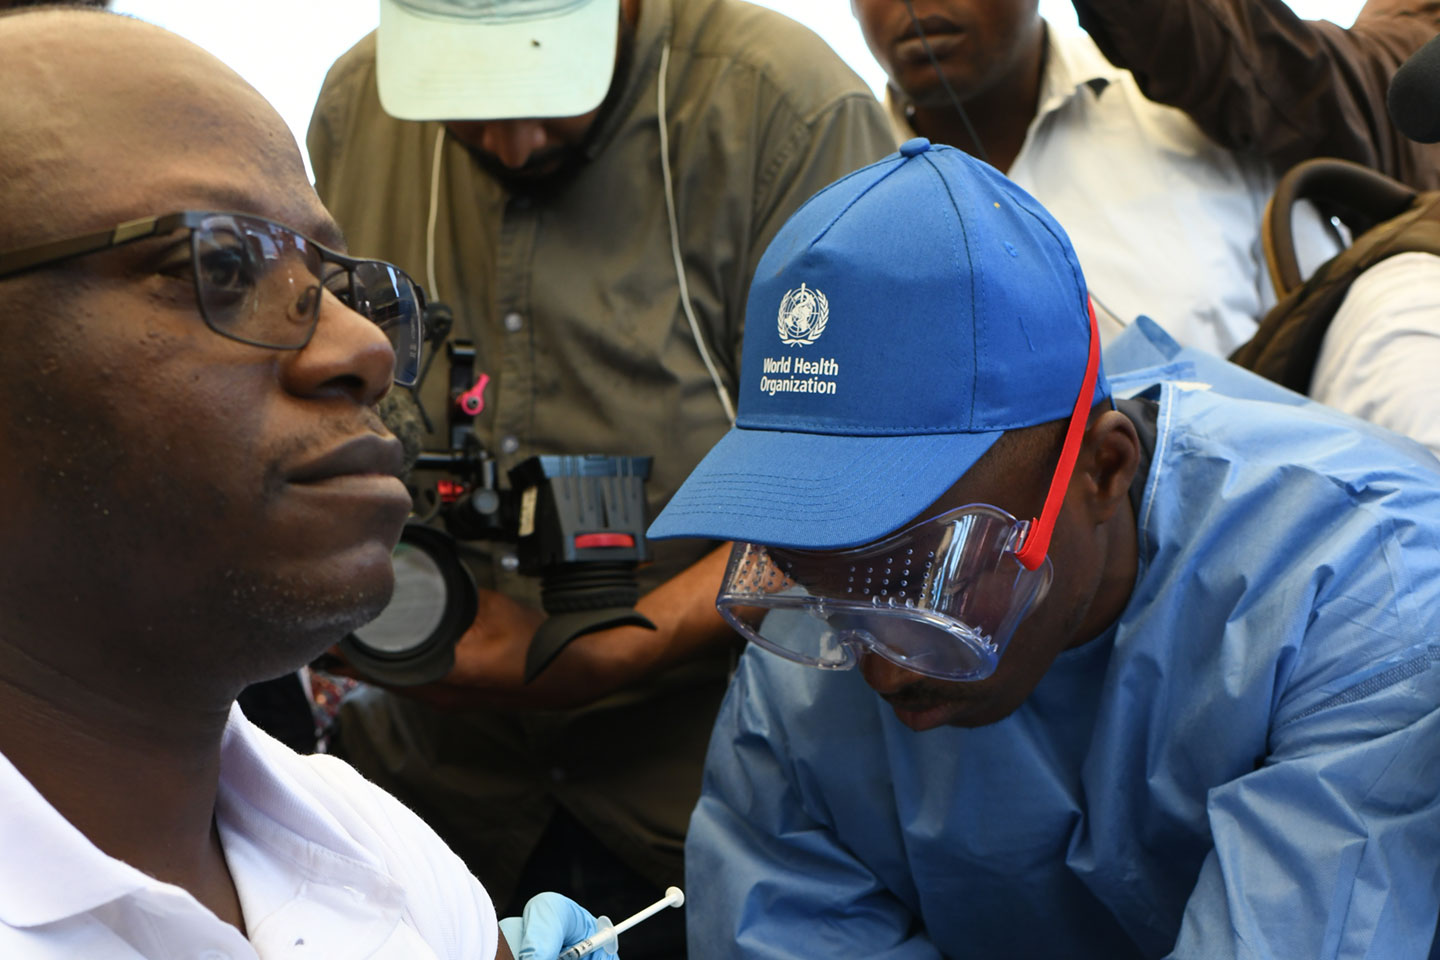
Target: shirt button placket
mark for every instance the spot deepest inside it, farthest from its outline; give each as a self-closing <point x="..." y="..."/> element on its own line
<point x="514" y="419"/>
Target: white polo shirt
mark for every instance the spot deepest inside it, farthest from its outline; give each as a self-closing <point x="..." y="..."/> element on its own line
<point x="327" y="865"/>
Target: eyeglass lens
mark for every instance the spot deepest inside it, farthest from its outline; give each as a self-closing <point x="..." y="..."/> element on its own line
<point x="388" y="298"/>
<point x="261" y="283"/>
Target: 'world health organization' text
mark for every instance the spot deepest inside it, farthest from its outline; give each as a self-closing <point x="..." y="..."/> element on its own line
<point x="823" y="366"/>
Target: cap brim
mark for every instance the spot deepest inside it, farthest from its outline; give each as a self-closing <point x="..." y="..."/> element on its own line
<point x="434" y="68"/>
<point x="815" y="491"/>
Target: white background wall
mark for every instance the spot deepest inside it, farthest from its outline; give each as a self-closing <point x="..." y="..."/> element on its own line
<point x="284" y="47"/>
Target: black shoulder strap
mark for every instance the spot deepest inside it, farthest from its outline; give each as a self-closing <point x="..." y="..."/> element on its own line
<point x="1359" y="196"/>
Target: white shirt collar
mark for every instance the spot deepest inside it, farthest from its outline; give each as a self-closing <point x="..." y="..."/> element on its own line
<point x="1071" y="69"/>
<point x="50" y="870"/>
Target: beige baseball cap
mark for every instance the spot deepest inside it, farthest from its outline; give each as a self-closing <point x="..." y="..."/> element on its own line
<point x="495" y="59"/>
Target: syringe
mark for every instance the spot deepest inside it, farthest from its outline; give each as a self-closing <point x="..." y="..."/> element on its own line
<point x="604" y="938"/>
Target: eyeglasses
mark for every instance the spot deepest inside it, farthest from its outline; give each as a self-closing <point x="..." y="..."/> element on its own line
<point x="261" y="283"/>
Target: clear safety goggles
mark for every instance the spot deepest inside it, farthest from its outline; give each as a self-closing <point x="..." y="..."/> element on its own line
<point x="941" y="597"/>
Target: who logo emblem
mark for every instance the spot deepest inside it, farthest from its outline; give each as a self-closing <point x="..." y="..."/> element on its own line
<point x="803" y="313"/>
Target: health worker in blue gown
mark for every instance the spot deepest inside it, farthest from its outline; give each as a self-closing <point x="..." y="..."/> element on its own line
<point x="1146" y="665"/>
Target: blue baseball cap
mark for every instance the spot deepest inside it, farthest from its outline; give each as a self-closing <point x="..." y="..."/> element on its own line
<point x="901" y="320"/>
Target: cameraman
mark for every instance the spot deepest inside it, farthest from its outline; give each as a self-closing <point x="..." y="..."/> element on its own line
<point x="529" y="190"/>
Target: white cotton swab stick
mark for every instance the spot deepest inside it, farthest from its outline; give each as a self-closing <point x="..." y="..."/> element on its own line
<point x="605" y="937"/>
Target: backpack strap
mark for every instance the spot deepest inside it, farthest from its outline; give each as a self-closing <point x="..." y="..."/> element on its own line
<point x="1359" y="196"/>
<point x="1384" y="216"/>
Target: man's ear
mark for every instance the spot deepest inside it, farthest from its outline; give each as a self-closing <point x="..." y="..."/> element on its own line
<point x="1108" y="462"/>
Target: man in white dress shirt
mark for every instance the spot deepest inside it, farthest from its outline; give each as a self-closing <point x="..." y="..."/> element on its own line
<point x="1165" y="219"/>
<point x="197" y="494"/>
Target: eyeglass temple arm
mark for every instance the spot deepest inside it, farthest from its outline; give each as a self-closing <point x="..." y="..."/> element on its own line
<point x="1037" y="539"/>
<point x="22" y="260"/>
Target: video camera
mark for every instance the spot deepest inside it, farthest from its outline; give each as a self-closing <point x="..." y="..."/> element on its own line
<point x="578" y="523"/>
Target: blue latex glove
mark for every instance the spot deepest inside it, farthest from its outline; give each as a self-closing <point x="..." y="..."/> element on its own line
<point x="549" y="924"/>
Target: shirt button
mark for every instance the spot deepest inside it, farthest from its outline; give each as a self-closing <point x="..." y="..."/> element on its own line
<point x="509" y="562"/>
<point x="513" y="322"/>
<point x="509" y="444"/>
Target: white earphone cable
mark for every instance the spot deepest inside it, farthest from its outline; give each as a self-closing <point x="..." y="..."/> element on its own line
<point x="432" y="288"/>
<point x="675" y="245"/>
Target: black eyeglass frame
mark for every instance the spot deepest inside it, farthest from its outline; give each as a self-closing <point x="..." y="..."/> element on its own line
<point x="14" y="262"/>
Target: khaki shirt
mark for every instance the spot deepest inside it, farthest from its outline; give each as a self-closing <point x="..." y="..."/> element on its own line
<point x="573" y="305"/>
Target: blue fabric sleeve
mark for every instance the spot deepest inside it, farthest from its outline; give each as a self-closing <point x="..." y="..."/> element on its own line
<point x="765" y="878"/>
<point x="1316" y="855"/>
<point x="1322" y="851"/>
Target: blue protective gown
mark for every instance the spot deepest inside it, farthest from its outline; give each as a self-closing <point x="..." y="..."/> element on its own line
<point x="1247" y="764"/>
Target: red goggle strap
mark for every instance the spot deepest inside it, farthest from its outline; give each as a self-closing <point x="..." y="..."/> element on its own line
<point x="1037" y="539"/>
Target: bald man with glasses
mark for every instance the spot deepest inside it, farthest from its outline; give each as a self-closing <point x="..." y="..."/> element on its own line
<point x="198" y="494"/>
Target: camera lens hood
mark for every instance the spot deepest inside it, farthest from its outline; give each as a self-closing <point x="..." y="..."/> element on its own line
<point x="413" y="639"/>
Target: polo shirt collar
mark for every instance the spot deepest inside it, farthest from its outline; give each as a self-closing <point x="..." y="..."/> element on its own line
<point x="51" y="871"/>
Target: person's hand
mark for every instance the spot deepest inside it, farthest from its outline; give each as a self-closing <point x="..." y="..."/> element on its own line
<point x="549" y="924"/>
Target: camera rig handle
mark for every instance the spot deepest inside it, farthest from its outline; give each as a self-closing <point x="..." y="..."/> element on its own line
<point x="578" y="521"/>
<point x="582" y="531"/>
<point x="558" y="629"/>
